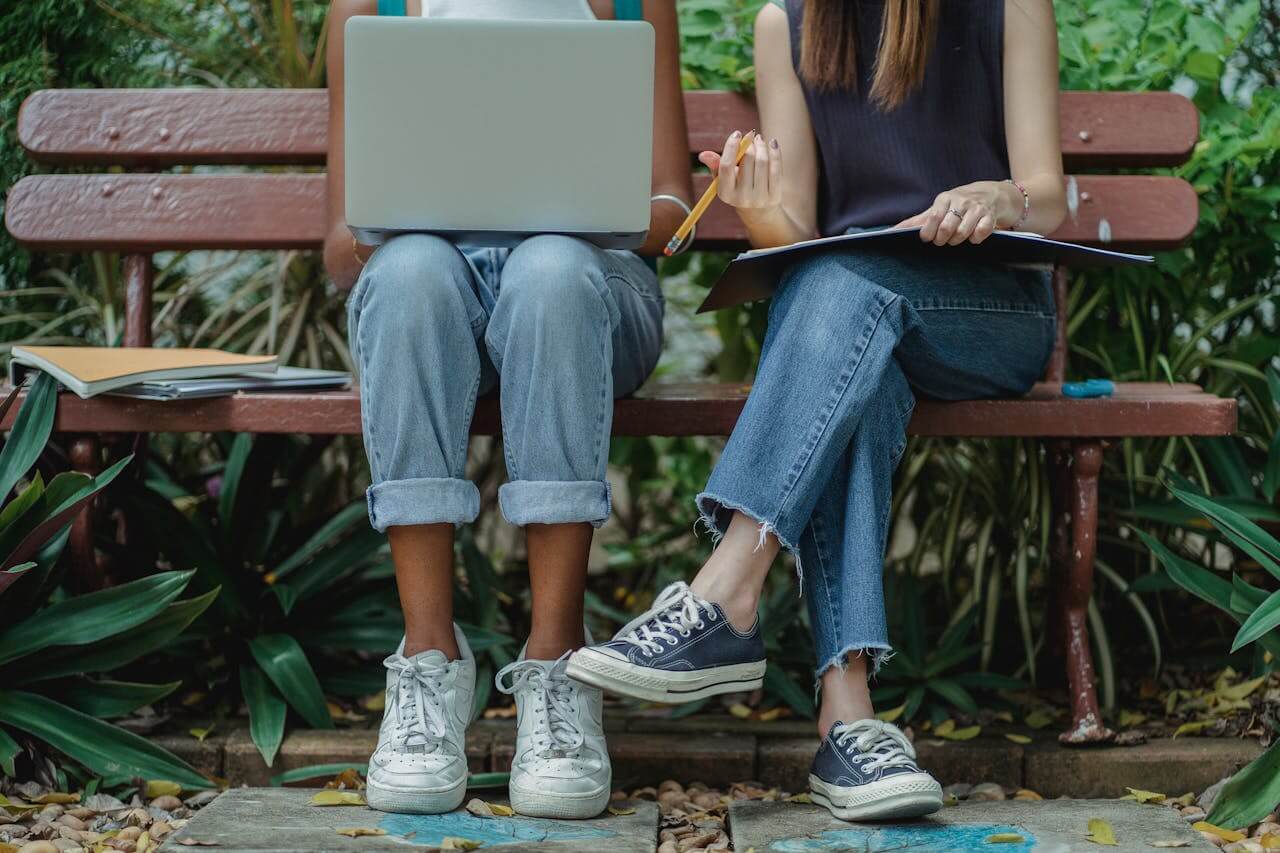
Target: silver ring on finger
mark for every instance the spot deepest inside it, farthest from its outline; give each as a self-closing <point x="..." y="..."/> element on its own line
<point x="956" y="212"/>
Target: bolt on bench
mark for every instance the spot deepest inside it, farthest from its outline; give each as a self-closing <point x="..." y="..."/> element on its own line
<point x="137" y="214"/>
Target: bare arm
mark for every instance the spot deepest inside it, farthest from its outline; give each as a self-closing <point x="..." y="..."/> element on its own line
<point x="1031" y="135"/>
<point x="339" y="247"/>
<point x="670" y="132"/>
<point x="777" y="204"/>
<point x="1032" y="113"/>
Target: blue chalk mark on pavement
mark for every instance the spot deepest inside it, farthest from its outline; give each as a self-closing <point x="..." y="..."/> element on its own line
<point x="431" y="830"/>
<point x="916" y="838"/>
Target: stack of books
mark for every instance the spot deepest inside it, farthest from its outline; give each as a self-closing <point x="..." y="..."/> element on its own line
<point x="147" y="373"/>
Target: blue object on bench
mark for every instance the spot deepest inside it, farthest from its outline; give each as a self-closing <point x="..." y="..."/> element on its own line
<point x="1089" y="388"/>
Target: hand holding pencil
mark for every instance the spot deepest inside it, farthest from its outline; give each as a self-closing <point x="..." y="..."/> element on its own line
<point x="748" y="175"/>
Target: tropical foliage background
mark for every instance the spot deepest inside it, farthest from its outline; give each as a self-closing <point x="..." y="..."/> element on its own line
<point x="306" y="606"/>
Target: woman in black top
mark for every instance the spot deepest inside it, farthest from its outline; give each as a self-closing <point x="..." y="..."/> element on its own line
<point x="942" y="115"/>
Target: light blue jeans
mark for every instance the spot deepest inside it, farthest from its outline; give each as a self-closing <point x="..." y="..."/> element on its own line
<point x="852" y="340"/>
<point x="566" y="326"/>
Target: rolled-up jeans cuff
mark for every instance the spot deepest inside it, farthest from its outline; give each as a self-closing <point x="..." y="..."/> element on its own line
<point x="423" y="500"/>
<point x="555" y="502"/>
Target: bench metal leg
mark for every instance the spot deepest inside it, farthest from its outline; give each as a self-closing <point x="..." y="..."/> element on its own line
<point x="87" y="571"/>
<point x="1075" y="543"/>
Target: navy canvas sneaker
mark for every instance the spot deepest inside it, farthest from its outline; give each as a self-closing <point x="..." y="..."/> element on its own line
<point x="683" y="648"/>
<point x="867" y="771"/>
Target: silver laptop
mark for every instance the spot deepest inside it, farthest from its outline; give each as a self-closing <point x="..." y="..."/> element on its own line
<point x="489" y="131"/>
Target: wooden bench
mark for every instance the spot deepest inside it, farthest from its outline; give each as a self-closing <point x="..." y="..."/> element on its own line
<point x="143" y="211"/>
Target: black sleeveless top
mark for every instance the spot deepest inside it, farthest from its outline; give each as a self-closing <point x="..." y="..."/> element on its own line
<point x="878" y="168"/>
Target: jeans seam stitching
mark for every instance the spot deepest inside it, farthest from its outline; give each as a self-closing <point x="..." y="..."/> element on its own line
<point x="843" y="386"/>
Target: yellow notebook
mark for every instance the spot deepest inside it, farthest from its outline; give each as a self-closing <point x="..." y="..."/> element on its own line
<point x="95" y="370"/>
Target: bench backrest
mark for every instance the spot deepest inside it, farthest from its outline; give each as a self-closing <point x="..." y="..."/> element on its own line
<point x="141" y="211"/>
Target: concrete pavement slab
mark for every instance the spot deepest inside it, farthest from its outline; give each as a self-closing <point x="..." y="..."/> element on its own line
<point x="1045" y="826"/>
<point x="282" y="820"/>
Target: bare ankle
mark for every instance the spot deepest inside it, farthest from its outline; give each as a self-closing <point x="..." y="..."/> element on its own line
<point x="738" y="604"/>
<point x="426" y="642"/>
<point x="550" y="645"/>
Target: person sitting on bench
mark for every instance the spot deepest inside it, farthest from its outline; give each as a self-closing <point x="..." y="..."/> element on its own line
<point x="566" y="327"/>
<point x="875" y="112"/>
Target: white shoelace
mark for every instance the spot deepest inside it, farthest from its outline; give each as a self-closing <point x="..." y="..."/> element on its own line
<point x="557" y="732"/>
<point x="418" y="711"/>
<point x="881" y="744"/>
<point x="676" y="610"/>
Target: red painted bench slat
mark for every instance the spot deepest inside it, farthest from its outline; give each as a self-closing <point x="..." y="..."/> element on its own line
<point x="282" y="211"/>
<point x="1137" y="409"/>
<point x="163" y="127"/>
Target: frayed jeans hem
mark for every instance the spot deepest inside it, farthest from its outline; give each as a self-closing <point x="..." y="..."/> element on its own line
<point x="709" y="508"/>
<point x="880" y="654"/>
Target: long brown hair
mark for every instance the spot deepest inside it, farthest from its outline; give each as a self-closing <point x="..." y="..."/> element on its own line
<point x="829" y="47"/>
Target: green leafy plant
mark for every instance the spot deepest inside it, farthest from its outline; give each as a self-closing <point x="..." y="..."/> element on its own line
<point x="1255" y="790"/>
<point x="931" y="675"/>
<point x="52" y="644"/>
<point x="309" y="603"/>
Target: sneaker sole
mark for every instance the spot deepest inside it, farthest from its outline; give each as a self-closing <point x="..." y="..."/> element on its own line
<point x="415" y="800"/>
<point x="904" y="795"/>
<point x="572" y="806"/>
<point x="655" y="685"/>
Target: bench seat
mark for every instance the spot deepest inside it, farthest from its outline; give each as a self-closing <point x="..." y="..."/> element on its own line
<point x="685" y="409"/>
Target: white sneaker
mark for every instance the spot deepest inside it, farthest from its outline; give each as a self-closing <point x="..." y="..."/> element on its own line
<point x="420" y="765"/>
<point x="561" y="766"/>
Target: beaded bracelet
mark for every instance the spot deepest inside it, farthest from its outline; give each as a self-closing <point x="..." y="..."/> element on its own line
<point x="1026" y="204"/>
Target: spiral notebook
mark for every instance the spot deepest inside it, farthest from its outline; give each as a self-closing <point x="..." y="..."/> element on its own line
<point x="754" y="275"/>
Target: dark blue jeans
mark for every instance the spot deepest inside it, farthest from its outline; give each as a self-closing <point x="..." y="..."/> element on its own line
<point x="853" y="339"/>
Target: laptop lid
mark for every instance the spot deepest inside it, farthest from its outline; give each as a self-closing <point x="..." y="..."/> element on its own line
<point x="487" y="131"/>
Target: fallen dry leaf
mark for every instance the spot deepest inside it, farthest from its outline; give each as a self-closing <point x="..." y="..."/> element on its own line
<point x="160" y="787"/>
<point x="1004" y="838"/>
<point x="200" y="734"/>
<point x="1192" y="728"/>
<point x="144" y="843"/>
<point x="480" y="808"/>
<point x="1227" y="835"/>
<point x="950" y="800"/>
<point x="739" y="710"/>
<point x="892" y="714"/>
<point x="772" y="714"/>
<point x="1026" y="794"/>
<point x="1100" y="832"/>
<point x="614" y="810"/>
<point x="1039" y="718"/>
<point x="348" y="779"/>
<point x="1017" y="738"/>
<point x="799" y="798"/>
<point x="358" y="831"/>
<point x="1175" y="843"/>
<point x="196" y="842"/>
<point x="1142" y="796"/>
<point x="947" y="729"/>
<point x="452" y="842"/>
<point x="16" y="806"/>
<point x="1240" y="691"/>
<point x="1270" y="841"/>
<point x="56" y="797"/>
<point x="337" y="798"/>
<point x="1129" y="719"/>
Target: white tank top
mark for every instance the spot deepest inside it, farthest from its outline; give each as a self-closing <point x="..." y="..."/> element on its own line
<point x="509" y="9"/>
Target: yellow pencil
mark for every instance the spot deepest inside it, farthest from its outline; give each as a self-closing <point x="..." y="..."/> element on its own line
<point x="703" y="203"/>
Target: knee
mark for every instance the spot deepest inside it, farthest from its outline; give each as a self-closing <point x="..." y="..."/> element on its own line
<point x="550" y="279"/>
<point x="829" y="292"/>
<point x="415" y="282"/>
